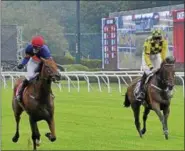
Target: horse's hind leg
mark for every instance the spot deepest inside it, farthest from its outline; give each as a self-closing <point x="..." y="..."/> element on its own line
<point x="145" y="114"/>
<point x="136" y="110"/>
<point x="51" y="136"/>
<point x="17" y="114"/>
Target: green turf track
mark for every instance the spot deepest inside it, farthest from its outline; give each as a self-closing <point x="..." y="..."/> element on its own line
<point x="95" y="121"/>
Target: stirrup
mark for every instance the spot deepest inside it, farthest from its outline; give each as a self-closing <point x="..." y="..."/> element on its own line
<point x="52" y="95"/>
<point x="140" y="96"/>
<point x="18" y="98"/>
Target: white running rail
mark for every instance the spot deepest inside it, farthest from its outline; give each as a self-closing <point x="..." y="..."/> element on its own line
<point x="99" y="75"/>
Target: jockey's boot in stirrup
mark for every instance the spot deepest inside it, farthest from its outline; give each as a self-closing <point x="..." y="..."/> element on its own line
<point x="141" y="94"/>
<point x="20" y="93"/>
<point x="51" y="93"/>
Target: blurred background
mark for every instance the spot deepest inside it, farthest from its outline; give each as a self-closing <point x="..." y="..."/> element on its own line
<point x="77" y="32"/>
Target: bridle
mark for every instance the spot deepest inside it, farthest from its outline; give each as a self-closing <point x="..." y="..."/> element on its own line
<point x="164" y="86"/>
<point x="167" y="82"/>
<point x="49" y="78"/>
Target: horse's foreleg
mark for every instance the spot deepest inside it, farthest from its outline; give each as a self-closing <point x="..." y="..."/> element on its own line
<point x="38" y="141"/>
<point x="17" y="114"/>
<point x="51" y="136"/>
<point x="136" y="110"/>
<point x="145" y="114"/>
<point x="35" y="135"/>
<point x="156" y="108"/>
<point x="166" y="112"/>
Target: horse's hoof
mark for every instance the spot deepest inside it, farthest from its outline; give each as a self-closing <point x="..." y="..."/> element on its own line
<point x="143" y="131"/>
<point x="48" y="135"/>
<point x="166" y="137"/>
<point x="38" y="142"/>
<point x="141" y="136"/>
<point x="166" y="134"/>
<point x="15" y="139"/>
<point x="53" y="139"/>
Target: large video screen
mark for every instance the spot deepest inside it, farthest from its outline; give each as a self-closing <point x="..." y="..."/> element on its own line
<point x="132" y="32"/>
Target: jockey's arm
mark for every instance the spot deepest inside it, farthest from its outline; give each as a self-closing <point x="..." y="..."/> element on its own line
<point x="147" y="54"/>
<point x="45" y="52"/>
<point x="26" y="59"/>
<point x="164" y="50"/>
<point x="28" y="54"/>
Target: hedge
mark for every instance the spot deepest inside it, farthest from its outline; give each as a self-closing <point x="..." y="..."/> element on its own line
<point x="68" y="60"/>
<point x="75" y="67"/>
<point x="92" y="63"/>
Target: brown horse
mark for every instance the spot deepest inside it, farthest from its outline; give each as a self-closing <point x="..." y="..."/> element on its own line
<point x="158" y="95"/>
<point x="38" y="102"/>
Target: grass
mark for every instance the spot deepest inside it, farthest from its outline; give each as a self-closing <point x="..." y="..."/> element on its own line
<point x="95" y="121"/>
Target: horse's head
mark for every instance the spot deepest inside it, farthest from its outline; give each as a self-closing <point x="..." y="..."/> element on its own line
<point x="49" y="70"/>
<point x="167" y="72"/>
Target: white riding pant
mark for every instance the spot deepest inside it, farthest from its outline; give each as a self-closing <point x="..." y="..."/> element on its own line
<point x="156" y="62"/>
<point x="31" y="67"/>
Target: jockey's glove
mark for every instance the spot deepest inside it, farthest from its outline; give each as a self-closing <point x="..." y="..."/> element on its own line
<point x="151" y="68"/>
<point x="20" y="66"/>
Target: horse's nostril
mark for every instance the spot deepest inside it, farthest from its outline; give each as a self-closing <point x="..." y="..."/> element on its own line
<point x="58" y="77"/>
<point x="170" y="87"/>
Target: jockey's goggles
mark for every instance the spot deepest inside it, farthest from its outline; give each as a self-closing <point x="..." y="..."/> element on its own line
<point x="157" y="38"/>
<point x="36" y="49"/>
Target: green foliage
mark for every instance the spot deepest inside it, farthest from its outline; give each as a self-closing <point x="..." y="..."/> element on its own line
<point x="75" y="67"/>
<point x="69" y="56"/>
<point x="35" y="19"/>
<point x="54" y="18"/>
<point x="93" y="11"/>
<point x="68" y="59"/>
<point x="63" y="60"/>
<point x="92" y="63"/>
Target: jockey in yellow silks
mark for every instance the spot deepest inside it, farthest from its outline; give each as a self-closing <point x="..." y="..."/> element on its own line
<point x="155" y="51"/>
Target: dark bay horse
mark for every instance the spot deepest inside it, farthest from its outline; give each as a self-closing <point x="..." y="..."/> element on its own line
<point x="37" y="101"/>
<point x="158" y="95"/>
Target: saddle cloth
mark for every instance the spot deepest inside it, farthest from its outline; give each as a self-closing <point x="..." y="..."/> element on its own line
<point x="136" y="90"/>
<point x="18" y="87"/>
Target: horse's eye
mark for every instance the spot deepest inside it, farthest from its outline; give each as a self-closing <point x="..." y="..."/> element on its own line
<point x="49" y="71"/>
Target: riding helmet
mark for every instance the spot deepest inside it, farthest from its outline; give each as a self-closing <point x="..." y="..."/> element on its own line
<point x="37" y="41"/>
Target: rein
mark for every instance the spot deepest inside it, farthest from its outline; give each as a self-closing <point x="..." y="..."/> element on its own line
<point x="158" y="88"/>
<point x="163" y="83"/>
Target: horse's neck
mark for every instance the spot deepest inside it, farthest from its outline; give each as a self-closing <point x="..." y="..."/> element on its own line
<point x="44" y="89"/>
<point x="158" y="80"/>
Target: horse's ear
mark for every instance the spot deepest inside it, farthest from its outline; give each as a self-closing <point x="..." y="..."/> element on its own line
<point x="42" y="59"/>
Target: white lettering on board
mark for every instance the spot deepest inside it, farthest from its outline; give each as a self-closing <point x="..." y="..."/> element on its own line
<point x="180" y="15"/>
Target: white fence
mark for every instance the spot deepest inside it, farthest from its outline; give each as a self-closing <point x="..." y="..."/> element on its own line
<point x="100" y="76"/>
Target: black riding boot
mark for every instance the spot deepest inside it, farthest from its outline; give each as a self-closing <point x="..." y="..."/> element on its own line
<point x="141" y="93"/>
<point x="24" y="84"/>
<point x="51" y="92"/>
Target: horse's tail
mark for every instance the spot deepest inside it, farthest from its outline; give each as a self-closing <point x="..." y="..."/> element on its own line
<point x="127" y="102"/>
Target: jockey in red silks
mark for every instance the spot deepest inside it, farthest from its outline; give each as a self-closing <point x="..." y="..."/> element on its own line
<point x="33" y="52"/>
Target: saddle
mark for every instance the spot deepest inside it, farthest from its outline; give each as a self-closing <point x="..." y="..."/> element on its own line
<point x="33" y="80"/>
<point x="18" y="87"/>
<point x="149" y="77"/>
<point x="137" y="87"/>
